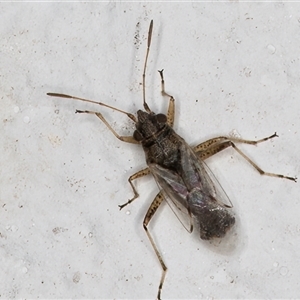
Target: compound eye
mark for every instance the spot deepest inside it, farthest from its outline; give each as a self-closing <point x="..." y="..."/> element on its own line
<point x="161" y="118"/>
<point x="137" y="136"/>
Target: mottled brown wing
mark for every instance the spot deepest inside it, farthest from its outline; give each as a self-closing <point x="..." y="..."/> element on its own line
<point x="192" y="174"/>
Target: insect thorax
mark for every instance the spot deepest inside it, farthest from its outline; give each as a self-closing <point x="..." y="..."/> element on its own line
<point x="162" y="149"/>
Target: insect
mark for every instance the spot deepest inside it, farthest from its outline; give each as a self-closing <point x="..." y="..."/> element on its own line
<point x="179" y="169"/>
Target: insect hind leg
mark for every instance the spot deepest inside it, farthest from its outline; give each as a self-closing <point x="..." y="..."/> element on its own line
<point x="150" y="213"/>
<point x="215" y="145"/>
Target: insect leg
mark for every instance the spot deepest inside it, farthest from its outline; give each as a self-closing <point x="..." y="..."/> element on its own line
<point x="127" y="139"/>
<point x="215" y="145"/>
<point x="136" y="175"/>
<point x="214" y="141"/>
<point x="150" y="213"/>
<point x="171" y="108"/>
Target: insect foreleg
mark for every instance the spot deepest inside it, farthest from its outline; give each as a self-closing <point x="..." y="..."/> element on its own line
<point x="171" y="108"/>
<point x="150" y="213"/>
<point x="136" y="175"/>
<point x="213" y="146"/>
<point x="127" y="139"/>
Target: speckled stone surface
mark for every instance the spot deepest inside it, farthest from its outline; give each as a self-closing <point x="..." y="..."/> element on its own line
<point x="233" y="69"/>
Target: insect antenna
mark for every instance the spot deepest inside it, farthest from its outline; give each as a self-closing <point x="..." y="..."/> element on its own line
<point x="129" y="115"/>
<point x="146" y="107"/>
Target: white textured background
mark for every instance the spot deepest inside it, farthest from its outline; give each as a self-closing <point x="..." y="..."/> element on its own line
<point x="233" y="69"/>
